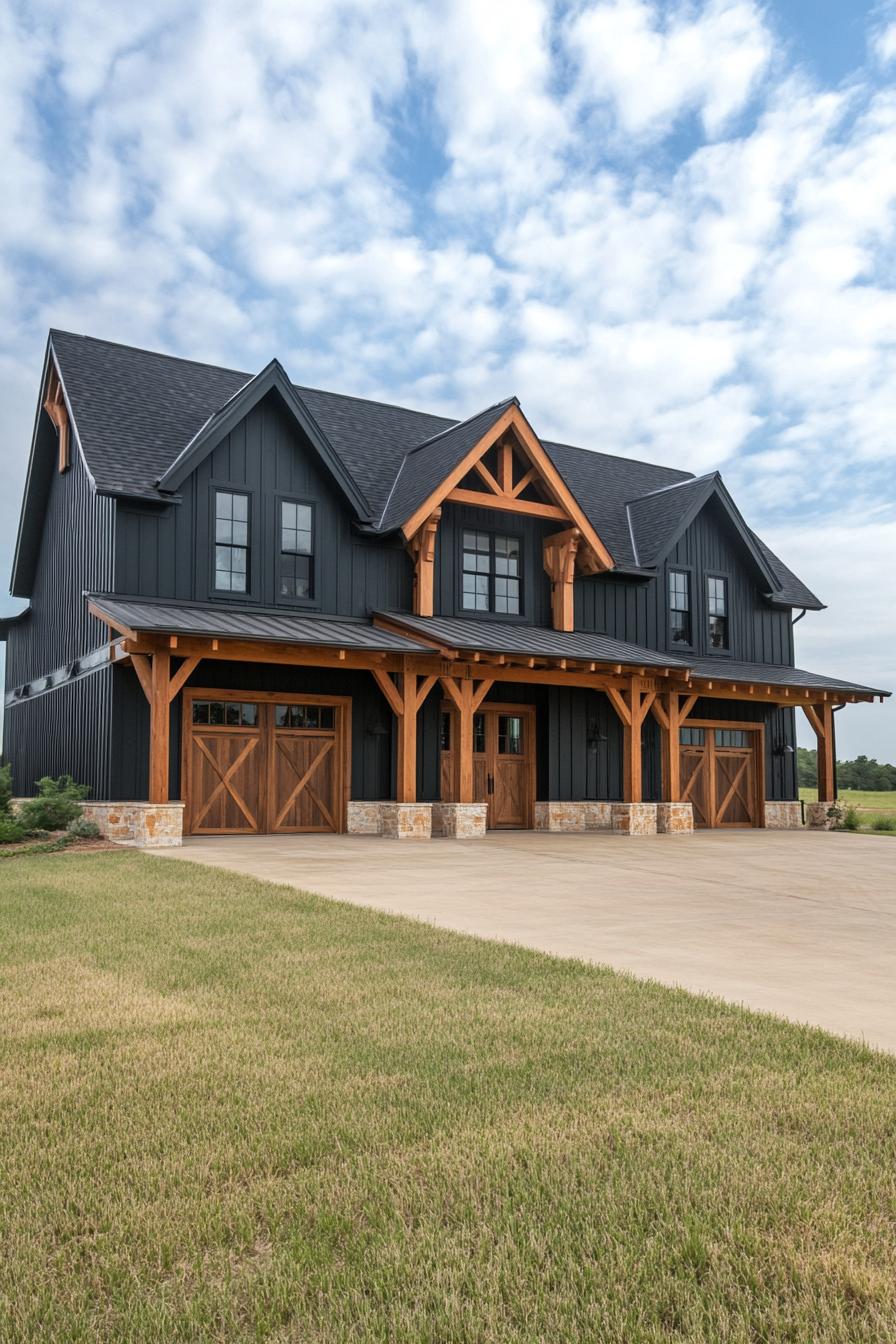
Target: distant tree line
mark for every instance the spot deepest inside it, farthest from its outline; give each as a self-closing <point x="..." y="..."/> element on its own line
<point x="862" y="773"/>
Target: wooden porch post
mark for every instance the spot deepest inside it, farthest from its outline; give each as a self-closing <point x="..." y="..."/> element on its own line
<point x="670" y="713"/>
<point x="159" y="727"/>
<point x="821" y="718"/>
<point x="406" y="765"/>
<point x="632" y="707"/>
<point x="466" y="696"/>
<point x="405" y="702"/>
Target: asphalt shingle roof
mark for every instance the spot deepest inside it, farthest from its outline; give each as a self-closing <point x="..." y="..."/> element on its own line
<point x="136" y="410"/>
<point x="424" y="468"/>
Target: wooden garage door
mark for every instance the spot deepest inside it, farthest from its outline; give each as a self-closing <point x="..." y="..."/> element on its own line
<point x="722" y="774"/>
<point x="264" y="764"/>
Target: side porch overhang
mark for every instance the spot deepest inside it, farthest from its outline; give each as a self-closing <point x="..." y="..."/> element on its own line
<point x="164" y="641"/>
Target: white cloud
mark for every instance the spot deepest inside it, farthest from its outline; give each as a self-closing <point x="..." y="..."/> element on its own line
<point x="445" y="203"/>
<point x="885" y="44"/>
<point x="652" y="72"/>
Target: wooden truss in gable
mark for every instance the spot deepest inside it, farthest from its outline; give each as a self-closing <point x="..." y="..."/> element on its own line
<point x="508" y="470"/>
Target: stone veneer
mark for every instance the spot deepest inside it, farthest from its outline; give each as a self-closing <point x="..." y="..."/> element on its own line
<point x="364" y="818"/>
<point x="674" y="818"/>
<point x="634" y="818"/>
<point x="817" y="816"/>
<point x="399" y="821"/>
<point x="459" y="821"/>
<point x="583" y="816"/>
<point x="786" y="816"/>
<point x="407" y="821"/>
<point x="149" y="825"/>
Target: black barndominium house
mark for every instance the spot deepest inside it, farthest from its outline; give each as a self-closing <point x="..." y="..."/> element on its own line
<point x="263" y="608"/>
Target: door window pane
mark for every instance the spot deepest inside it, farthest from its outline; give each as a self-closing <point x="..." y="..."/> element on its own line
<point x="225" y="714"/>
<point x="445" y="733"/>
<point x="732" y="737"/>
<point x="510" y="735"/>
<point x="692" y="737"/>
<point x="313" y="718"/>
<point x="479" y="732"/>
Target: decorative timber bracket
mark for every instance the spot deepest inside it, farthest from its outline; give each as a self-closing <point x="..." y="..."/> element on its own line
<point x="560" y="551"/>
<point x="422" y="549"/>
<point x="55" y="407"/>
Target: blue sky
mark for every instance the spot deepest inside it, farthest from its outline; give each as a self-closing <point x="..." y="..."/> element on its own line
<point x="666" y="226"/>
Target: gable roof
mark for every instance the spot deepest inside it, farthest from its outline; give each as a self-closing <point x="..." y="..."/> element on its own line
<point x="271" y="379"/>
<point x="135" y="412"/>
<point x="424" y="468"/>
<point x="658" y="520"/>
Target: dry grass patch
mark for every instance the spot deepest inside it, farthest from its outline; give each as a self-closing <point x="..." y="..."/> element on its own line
<point x="232" y="1111"/>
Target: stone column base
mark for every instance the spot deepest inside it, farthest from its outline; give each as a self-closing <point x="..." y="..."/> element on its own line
<point x="583" y="816"/>
<point x="634" y="818"/>
<point x="399" y="821"/>
<point x="149" y="825"/>
<point x="817" y="818"/>
<point x="786" y="816"/>
<point x="364" y="818"/>
<point x="674" y="818"/>
<point x="460" y="821"/>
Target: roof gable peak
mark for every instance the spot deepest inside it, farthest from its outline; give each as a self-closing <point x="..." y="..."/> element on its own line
<point x="272" y="378"/>
<point x="503" y="432"/>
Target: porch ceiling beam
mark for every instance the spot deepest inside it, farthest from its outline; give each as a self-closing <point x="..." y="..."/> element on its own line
<point x="784" y="695"/>
<point x="261" y="651"/>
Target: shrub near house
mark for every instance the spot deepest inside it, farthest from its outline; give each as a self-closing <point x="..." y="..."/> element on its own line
<point x="56" y="808"/>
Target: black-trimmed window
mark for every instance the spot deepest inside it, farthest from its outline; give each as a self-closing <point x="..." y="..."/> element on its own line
<point x="296" y="572"/>
<point x="717" y="611"/>
<point x="231" y="542"/>
<point x="680" y="606"/>
<point x="491" y="573"/>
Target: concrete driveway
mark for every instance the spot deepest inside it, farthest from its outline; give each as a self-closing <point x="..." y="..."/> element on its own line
<point x="799" y="924"/>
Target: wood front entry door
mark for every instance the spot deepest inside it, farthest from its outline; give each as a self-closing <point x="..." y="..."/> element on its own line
<point x="503" y="763"/>
<point x="264" y="764"/>
<point x="722" y="775"/>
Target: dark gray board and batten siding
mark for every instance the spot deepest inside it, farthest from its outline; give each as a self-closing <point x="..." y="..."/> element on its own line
<point x="166" y="551"/>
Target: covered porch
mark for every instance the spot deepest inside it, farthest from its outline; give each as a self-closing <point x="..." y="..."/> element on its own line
<point x="709" y="721"/>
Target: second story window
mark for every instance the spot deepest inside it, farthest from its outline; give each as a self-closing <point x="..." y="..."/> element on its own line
<point x="296" y="573"/>
<point x="231" y="542"/>
<point x="717" y="611"/>
<point x="679" y="606"/>
<point x="491" y="573"/>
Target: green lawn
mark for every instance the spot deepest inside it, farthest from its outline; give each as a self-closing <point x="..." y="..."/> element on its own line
<point x="879" y="801"/>
<point x="234" y="1112"/>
